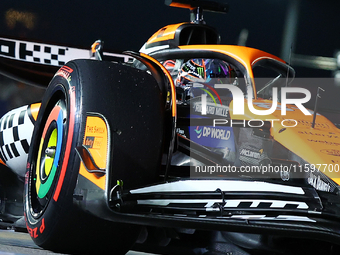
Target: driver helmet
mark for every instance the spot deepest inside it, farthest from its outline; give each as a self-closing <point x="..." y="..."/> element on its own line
<point x="203" y="71"/>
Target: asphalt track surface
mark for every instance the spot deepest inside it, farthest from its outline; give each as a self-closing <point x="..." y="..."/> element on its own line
<point x="16" y="243"/>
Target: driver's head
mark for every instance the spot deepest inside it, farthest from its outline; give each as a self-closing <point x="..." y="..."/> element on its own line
<point x="204" y="71"/>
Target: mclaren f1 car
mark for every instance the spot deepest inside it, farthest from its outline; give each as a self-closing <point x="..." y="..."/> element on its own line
<point x="163" y="146"/>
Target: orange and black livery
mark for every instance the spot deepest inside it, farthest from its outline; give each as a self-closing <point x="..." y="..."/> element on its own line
<point x="185" y="136"/>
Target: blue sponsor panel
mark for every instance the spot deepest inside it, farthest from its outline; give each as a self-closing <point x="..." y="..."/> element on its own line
<point x="213" y="137"/>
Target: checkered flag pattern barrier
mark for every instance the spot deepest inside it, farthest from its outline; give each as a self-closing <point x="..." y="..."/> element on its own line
<point x="39" y="53"/>
<point x="16" y="129"/>
<point x="47" y="54"/>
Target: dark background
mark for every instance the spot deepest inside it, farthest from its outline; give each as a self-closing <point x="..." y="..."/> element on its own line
<point x="127" y="25"/>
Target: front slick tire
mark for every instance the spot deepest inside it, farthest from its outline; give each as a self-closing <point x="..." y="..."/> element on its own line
<point x="53" y="222"/>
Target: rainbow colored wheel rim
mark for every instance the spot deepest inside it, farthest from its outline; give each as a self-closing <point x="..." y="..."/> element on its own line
<point x="49" y="152"/>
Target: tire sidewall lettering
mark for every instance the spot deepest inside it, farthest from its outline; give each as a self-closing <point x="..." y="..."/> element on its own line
<point x="35" y="232"/>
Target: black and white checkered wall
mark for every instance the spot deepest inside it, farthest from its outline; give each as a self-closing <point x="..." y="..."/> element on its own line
<point x="48" y="54"/>
<point x="16" y="129"/>
<point x="43" y="54"/>
<point x="40" y="53"/>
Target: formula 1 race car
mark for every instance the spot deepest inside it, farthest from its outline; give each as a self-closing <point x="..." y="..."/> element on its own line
<point x="186" y="138"/>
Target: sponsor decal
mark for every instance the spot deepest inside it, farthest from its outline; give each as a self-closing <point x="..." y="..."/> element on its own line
<point x="211" y="132"/>
<point x="251" y="154"/>
<point x="95" y="129"/>
<point x="310" y="133"/>
<point x="96" y="140"/>
<point x="331" y="152"/>
<point x="194" y="69"/>
<point x="324" y="142"/>
<point x="198" y="131"/>
<point x="309" y="124"/>
<point x="212" y="109"/>
<point x="65" y="72"/>
<point x="92" y="142"/>
<point x="203" y="108"/>
<point x="214" y="137"/>
<point x="95" y="134"/>
<point x="89" y="141"/>
<point x="200" y="71"/>
<point x="34" y="232"/>
<point x="317" y="183"/>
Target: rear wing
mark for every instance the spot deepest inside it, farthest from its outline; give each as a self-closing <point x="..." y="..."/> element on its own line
<point x="35" y="63"/>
